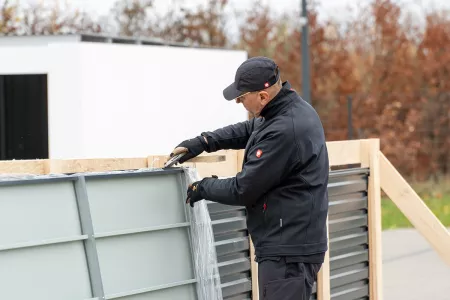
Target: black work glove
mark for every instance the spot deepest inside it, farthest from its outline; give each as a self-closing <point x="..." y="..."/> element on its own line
<point x="194" y="192"/>
<point x="193" y="147"/>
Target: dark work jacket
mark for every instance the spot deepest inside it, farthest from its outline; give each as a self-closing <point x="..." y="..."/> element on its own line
<point x="284" y="177"/>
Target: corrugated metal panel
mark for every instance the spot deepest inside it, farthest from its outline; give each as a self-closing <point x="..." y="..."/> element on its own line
<point x="348" y="229"/>
<point x="348" y="240"/>
<point x="108" y="236"/>
<point x="233" y="252"/>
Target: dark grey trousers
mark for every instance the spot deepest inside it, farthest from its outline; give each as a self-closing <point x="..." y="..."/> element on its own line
<point x="285" y="279"/>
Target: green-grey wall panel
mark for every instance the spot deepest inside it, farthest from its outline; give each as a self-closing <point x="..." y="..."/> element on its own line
<point x="50" y="272"/>
<point x="36" y="212"/>
<point x="120" y="203"/>
<point x="145" y="260"/>
<point x="121" y="235"/>
<point x="185" y="292"/>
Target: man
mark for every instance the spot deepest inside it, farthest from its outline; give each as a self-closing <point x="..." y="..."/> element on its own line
<point x="283" y="183"/>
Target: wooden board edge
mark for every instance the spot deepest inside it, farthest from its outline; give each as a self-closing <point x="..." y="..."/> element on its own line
<point x="344" y="152"/>
<point x="64" y="166"/>
<point x="370" y="150"/>
<point x="323" y="277"/>
<point x="254" y="272"/>
<point x="27" y="167"/>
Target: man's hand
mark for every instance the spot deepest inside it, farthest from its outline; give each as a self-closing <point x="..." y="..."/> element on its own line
<point x="193" y="193"/>
<point x="193" y="147"/>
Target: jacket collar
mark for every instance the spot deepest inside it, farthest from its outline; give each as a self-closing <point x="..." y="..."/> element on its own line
<point x="278" y="103"/>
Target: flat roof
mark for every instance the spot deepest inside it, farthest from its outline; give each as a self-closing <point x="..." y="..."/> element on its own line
<point x="111" y="39"/>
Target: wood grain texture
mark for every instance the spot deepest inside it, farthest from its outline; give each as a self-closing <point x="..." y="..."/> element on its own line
<point x="412" y="206"/>
<point x="370" y="150"/>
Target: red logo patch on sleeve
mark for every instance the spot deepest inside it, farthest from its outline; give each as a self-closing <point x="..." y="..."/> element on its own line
<point x="258" y="153"/>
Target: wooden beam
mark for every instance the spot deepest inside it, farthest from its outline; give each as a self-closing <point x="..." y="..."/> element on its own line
<point x="370" y="150"/>
<point x="23" y="167"/>
<point x="412" y="206"/>
<point x="344" y="152"/>
<point x="340" y="153"/>
<point x="254" y="272"/>
<point x="62" y="166"/>
<point x="158" y="161"/>
<point x="323" y="277"/>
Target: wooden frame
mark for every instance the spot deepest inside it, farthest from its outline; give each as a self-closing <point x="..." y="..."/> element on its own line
<point x="415" y="210"/>
<point x="365" y="153"/>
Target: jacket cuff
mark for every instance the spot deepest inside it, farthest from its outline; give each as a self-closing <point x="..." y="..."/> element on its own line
<point x="211" y="145"/>
<point x="206" y="182"/>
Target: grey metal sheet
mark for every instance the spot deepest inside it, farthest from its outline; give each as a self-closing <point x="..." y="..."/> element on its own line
<point x="20" y="180"/>
<point x="51" y="272"/>
<point x="140" y="261"/>
<point x="350" y="268"/>
<point x="185" y="292"/>
<point x="349" y="241"/>
<point x="215" y="208"/>
<point x="233" y="266"/>
<point x="347" y="204"/>
<point x="232" y="245"/>
<point x="235" y="277"/>
<point x="38" y="212"/>
<point x="243" y="296"/>
<point x="133" y="238"/>
<point x="346" y="223"/>
<point x="231" y="235"/>
<point x="233" y="288"/>
<point x="349" y="277"/>
<point x="226" y="215"/>
<point x="90" y="245"/>
<point x="229" y="225"/>
<point x="351" y="293"/>
<point x="232" y="256"/>
<point x="348" y="230"/>
<point x="348" y="259"/>
<point x="135" y="202"/>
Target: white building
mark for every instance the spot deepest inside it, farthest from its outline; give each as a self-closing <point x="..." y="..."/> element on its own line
<point x="88" y="96"/>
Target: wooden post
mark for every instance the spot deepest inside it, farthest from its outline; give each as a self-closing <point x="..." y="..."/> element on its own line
<point x="253" y="264"/>
<point x="370" y="150"/>
<point x="323" y="278"/>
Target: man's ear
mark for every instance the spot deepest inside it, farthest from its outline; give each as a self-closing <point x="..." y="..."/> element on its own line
<point x="264" y="97"/>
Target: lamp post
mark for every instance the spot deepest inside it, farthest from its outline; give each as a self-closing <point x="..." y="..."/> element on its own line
<point x="305" y="54"/>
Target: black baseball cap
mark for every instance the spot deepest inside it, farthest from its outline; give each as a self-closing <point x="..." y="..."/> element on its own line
<point x="254" y="74"/>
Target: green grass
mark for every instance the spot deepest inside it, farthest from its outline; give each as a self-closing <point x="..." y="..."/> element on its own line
<point x="392" y="217"/>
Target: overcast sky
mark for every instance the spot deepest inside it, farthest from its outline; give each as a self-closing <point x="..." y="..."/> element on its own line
<point x="328" y="8"/>
<point x="336" y="9"/>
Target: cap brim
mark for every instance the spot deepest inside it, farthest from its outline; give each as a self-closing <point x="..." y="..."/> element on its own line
<point x="231" y="92"/>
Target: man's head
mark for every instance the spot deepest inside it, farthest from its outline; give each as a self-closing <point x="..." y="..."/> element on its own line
<point x="256" y="83"/>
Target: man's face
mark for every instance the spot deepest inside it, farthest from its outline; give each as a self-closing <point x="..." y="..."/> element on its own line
<point x="253" y="102"/>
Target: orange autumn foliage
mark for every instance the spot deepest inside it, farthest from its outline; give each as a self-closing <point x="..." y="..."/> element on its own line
<point x="396" y="69"/>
